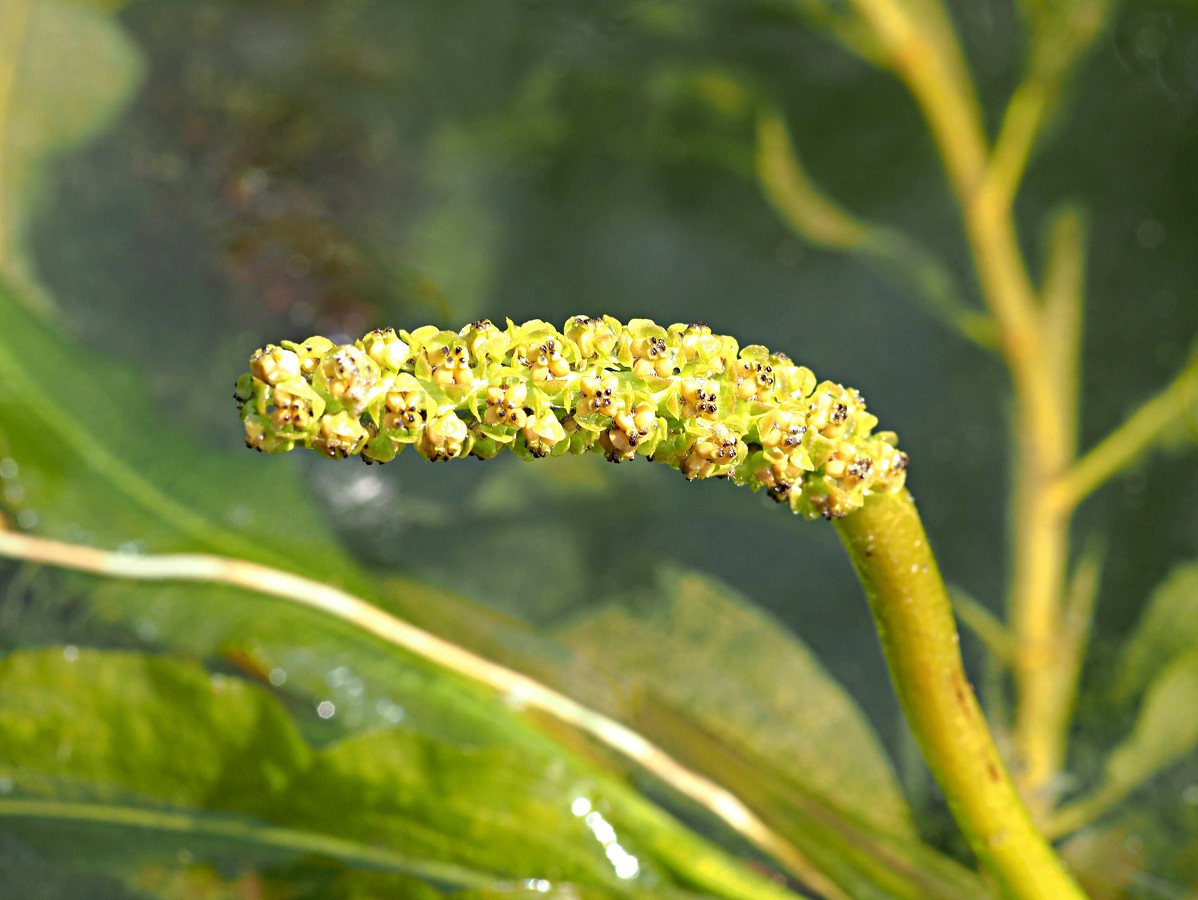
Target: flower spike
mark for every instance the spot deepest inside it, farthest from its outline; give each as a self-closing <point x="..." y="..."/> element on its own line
<point x="682" y="395"/>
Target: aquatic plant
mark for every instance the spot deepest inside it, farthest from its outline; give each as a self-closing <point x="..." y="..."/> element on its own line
<point x="213" y="734"/>
<point x="707" y="407"/>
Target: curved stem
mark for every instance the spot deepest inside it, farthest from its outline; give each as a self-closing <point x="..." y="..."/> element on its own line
<point x="818" y="219"/>
<point x="889" y="549"/>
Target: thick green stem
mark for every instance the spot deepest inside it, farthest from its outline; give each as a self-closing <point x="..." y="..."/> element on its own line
<point x="886" y="542"/>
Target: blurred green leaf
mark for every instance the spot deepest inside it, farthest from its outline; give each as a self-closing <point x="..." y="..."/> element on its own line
<point x="1166" y="728"/>
<point x="456" y="237"/>
<point x="1167" y="629"/>
<point x="730" y="692"/>
<point x="133" y="741"/>
<point x="97" y="464"/>
<point x="65" y="70"/>
<point x="1104" y="861"/>
<point x="100" y="719"/>
<point x="1165" y="732"/>
<point x="124" y="479"/>
<point x="1145" y="847"/>
<point x="861" y="860"/>
<point x="684" y="639"/>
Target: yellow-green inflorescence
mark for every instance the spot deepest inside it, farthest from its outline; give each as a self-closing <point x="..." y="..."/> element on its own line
<point x="679" y="395"/>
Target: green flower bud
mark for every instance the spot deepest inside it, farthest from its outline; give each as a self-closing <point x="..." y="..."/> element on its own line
<point x="293" y="408"/>
<point x="696" y="343"/>
<point x="243" y="390"/>
<point x="782" y="429"/>
<point x="791" y="382"/>
<point x="505" y="405"/>
<point x="405" y="407"/>
<point x="445" y="361"/>
<point x="644" y="347"/>
<point x="752" y="375"/>
<point x="699" y="398"/>
<point x="539" y="348"/>
<point x="598" y="396"/>
<point x="682" y="396"/>
<point x="259" y="436"/>
<point x="482" y="445"/>
<point x="381" y="448"/>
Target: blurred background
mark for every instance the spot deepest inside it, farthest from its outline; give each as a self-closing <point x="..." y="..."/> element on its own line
<point x="186" y="181"/>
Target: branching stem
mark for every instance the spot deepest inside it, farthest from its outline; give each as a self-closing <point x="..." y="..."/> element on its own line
<point x="1131" y="440"/>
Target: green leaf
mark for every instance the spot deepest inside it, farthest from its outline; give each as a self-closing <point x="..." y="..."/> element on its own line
<point x="90" y="726"/>
<point x="772" y="726"/>
<point x="684" y="640"/>
<point x="100" y="719"/>
<point x="1165" y="732"/>
<point x="1166" y="728"/>
<point x="160" y="747"/>
<point x="1167" y="629"/>
<point x="96" y="463"/>
<point x="496" y="808"/>
<point x="66" y="69"/>
<point x="1143" y="848"/>
<point x="849" y="857"/>
<point x="109" y="472"/>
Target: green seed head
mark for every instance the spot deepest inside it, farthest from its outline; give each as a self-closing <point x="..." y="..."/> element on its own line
<point x="679" y="395"/>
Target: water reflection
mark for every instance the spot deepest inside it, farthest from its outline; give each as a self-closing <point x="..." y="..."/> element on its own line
<point x="625" y="864"/>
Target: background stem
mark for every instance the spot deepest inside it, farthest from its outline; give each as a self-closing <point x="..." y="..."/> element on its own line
<point x="889" y="549"/>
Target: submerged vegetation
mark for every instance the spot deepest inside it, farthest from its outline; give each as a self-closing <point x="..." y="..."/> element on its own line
<point x="228" y="677"/>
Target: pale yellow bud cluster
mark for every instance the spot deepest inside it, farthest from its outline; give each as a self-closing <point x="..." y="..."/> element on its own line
<point x="700" y="399"/>
<point x="444" y="437"/>
<point x="595" y="395"/>
<point x="348" y="376"/>
<point x="404" y="408"/>
<point x="505" y="405"/>
<point x="292" y="412"/>
<point x="682" y="395"/>
<point x="386" y="349"/>
<point x="630" y="427"/>
<point x="274" y="365"/>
